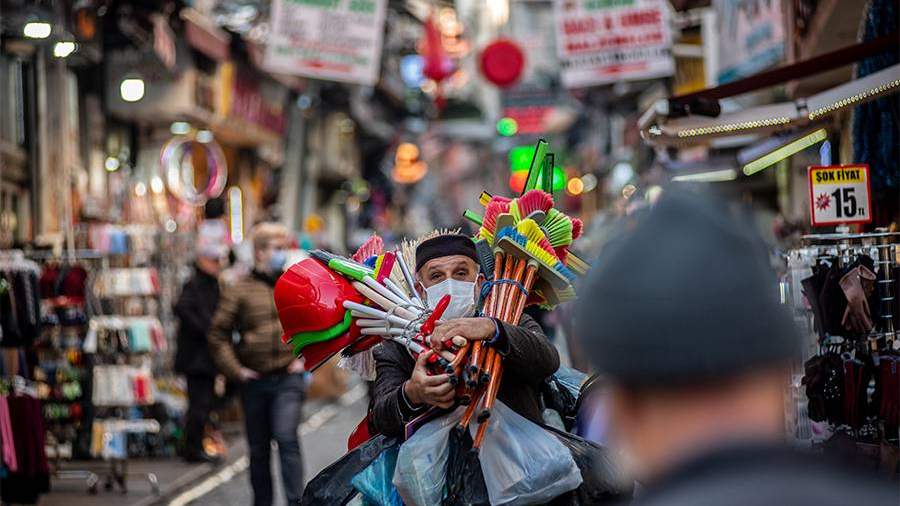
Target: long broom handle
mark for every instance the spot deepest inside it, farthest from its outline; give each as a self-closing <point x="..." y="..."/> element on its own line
<point x="512" y="317"/>
<point x="382" y="301"/>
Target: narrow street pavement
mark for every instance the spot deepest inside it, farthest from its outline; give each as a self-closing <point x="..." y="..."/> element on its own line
<point x="323" y="436"/>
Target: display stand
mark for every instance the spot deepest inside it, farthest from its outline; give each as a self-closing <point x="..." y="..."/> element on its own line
<point x="854" y="401"/>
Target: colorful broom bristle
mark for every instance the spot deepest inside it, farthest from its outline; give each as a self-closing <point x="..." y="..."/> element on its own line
<point x="514" y="210"/>
<point x="558" y="227"/>
<point x="562" y="252"/>
<point x="531" y="230"/>
<point x="565" y="271"/>
<point x="577" y="228"/>
<point x="536" y="252"/>
<point x="494" y="209"/>
<point x="512" y="234"/>
<point x="534" y="200"/>
<point x="373" y="246"/>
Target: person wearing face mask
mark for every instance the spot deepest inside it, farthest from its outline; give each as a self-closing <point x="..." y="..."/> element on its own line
<point x="448" y="265"/>
<point x="271" y="378"/>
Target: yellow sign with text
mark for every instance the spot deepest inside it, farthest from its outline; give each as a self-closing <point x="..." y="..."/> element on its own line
<point x="839" y="195"/>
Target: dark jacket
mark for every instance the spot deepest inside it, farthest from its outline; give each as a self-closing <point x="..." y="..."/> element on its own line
<point x="194" y="310"/>
<point x="766" y="476"/>
<point x="529" y="359"/>
<point x="248" y="307"/>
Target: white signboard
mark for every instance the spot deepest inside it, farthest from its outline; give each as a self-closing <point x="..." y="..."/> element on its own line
<point x="751" y="37"/>
<point x="605" y="41"/>
<point x="333" y="40"/>
<point x="839" y="195"/>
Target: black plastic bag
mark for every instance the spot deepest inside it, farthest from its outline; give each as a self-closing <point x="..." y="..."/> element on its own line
<point x="465" y="481"/>
<point x="334" y="484"/>
<point x="604" y="481"/>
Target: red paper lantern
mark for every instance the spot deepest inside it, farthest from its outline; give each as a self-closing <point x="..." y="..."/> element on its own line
<point x="502" y="62"/>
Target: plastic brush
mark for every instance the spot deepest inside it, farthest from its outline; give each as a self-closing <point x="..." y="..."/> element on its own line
<point x="576" y="264"/>
<point x="535" y="204"/>
<point x="489" y="221"/>
<point x="565" y="271"/>
<point x="514" y="210"/>
<point x="473" y="217"/>
<point x="532" y="231"/>
<point x="384" y="266"/>
<point x="577" y="228"/>
<point x="485" y="258"/>
<point x="558" y="227"/>
<point x="373" y="246"/>
<point x="512" y="234"/>
<point x="562" y="252"/>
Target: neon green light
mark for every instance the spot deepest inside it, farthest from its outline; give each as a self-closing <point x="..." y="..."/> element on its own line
<point x="790" y="149"/>
<point x="507" y="127"/>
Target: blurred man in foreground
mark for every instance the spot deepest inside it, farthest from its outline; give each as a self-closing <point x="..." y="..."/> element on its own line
<point x="270" y="376"/>
<point x="681" y="318"/>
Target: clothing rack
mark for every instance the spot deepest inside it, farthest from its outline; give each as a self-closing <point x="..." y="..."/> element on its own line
<point x="885" y="243"/>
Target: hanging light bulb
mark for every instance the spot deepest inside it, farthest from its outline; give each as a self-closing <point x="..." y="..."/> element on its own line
<point x="63" y="49"/>
<point x="131" y="89"/>
<point x="37" y="30"/>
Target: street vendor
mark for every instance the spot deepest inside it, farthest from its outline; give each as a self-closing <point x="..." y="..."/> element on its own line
<point x="404" y="389"/>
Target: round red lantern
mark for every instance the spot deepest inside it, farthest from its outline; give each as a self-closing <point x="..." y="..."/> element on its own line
<point x="502" y="62"/>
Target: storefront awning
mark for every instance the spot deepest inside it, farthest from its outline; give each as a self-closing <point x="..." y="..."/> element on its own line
<point x="696" y="118"/>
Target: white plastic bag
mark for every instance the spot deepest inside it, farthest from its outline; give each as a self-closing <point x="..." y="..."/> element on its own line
<point x="422" y="462"/>
<point x="522" y="462"/>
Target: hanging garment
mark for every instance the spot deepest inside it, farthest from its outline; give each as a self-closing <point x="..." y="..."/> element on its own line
<point x="889" y="391"/>
<point x="856" y="383"/>
<point x="858" y="285"/>
<point x="812" y="288"/>
<point x="33" y="475"/>
<point x="824" y="382"/>
<point x="6" y="437"/>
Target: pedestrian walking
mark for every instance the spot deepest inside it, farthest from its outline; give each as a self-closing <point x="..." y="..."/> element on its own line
<point x="681" y="317"/>
<point x="194" y="310"/>
<point x="271" y="378"/>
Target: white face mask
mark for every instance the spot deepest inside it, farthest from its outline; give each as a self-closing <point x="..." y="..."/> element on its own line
<point x="462" y="298"/>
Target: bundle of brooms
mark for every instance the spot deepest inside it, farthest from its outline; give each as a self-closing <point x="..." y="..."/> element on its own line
<point x="523" y="244"/>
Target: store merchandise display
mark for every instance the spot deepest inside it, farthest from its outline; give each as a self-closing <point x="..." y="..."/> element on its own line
<point x="843" y="288"/>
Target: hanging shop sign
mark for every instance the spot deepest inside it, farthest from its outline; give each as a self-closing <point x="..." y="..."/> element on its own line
<point x="839" y="195"/>
<point x="177" y="165"/>
<point x="751" y="37"/>
<point x="334" y="40"/>
<point x="606" y="41"/>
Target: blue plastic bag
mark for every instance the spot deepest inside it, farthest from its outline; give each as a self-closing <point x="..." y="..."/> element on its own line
<point x="374" y="483"/>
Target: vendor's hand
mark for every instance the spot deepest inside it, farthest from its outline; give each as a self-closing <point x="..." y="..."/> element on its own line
<point x="471" y="329"/>
<point x="296" y="367"/>
<point x="421" y="388"/>
<point x="246" y="374"/>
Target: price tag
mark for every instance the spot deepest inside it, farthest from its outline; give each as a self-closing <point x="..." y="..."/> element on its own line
<point x="839" y="194"/>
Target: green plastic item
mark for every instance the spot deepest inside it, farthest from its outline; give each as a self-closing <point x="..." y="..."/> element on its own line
<point x="473" y="217"/>
<point x="352" y="270"/>
<point x="303" y="339"/>
<point x="535" y="171"/>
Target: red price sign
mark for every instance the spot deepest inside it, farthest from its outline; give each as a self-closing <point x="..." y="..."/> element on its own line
<point x="839" y="194"/>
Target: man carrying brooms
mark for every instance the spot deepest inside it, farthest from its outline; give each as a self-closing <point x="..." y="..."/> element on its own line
<point x="404" y="389"/>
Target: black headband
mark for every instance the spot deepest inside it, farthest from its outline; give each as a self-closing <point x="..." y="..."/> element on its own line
<point x="445" y="246"/>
